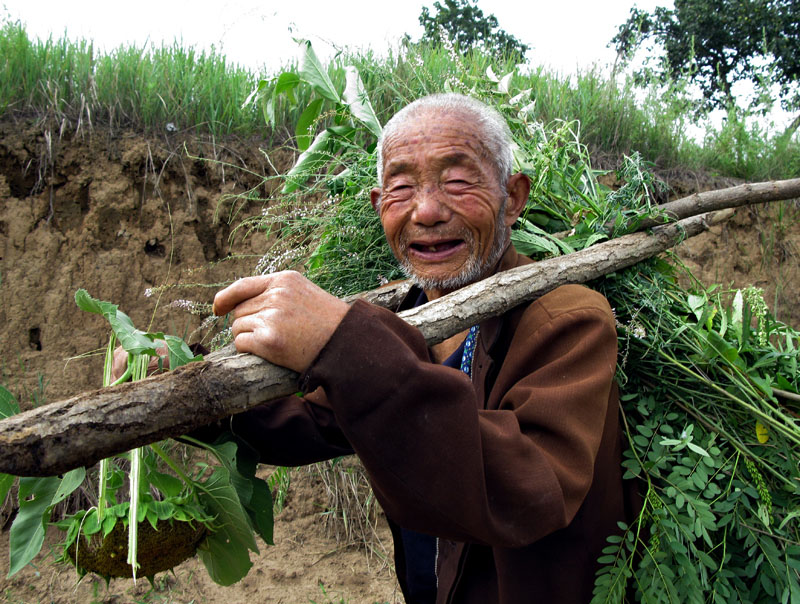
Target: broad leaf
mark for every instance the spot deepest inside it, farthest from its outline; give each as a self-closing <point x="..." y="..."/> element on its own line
<point x="286" y="82"/>
<point x="530" y="239"/>
<point x="69" y="483"/>
<point x="303" y="131"/>
<point x="356" y="97"/>
<point x="311" y="160"/>
<point x="312" y="72"/>
<point x="131" y="339"/>
<point x="504" y="83"/>
<point x="253" y="492"/>
<point x="226" y="552"/>
<point x="27" y="533"/>
<point x="6" y="480"/>
<point x="257" y="93"/>
<point x="179" y="352"/>
<point x="166" y="483"/>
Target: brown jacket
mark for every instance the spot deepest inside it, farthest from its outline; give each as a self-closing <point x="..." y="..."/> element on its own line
<point x="518" y="473"/>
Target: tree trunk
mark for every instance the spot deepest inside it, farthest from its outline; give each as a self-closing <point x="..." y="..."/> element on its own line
<point x="86" y="428"/>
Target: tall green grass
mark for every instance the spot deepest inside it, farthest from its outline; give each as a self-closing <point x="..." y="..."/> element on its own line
<point x="146" y="89"/>
<point x="129" y="87"/>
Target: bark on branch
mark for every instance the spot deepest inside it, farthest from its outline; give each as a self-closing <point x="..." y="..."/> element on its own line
<point x="732" y="197"/>
<point x="86" y="428"/>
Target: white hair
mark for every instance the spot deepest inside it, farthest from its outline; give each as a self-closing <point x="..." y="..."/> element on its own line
<point x="496" y="136"/>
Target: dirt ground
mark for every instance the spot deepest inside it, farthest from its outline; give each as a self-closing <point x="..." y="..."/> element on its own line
<point x="118" y="214"/>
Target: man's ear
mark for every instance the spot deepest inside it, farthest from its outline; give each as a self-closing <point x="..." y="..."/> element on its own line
<point x="518" y="189"/>
<point x="375" y="197"/>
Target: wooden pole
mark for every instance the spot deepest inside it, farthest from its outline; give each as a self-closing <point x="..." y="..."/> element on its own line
<point x="86" y="428"/>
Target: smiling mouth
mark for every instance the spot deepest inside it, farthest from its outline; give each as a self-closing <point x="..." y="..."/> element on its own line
<point x="438" y="247"/>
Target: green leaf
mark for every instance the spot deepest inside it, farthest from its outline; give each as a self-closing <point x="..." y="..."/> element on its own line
<point x="179" y="352"/>
<point x="257" y="93"/>
<point x="721" y="346"/>
<point x="166" y="483"/>
<point x="312" y="72"/>
<point x="357" y="99"/>
<point x="503" y="84"/>
<point x="6" y="480"/>
<point x="225" y="553"/>
<point x="268" y="110"/>
<point x="696" y="449"/>
<point x="27" y="533"/>
<point x="8" y="403"/>
<point x="162" y="509"/>
<point x="286" y="82"/>
<point x="254" y="494"/>
<point x="92" y="305"/>
<point x="309" y="162"/>
<point x="259" y="504"/>
<point x="697" y="303"/>
<point x="132" y="340"/>
<point x="763" y="384"/>
<point x="531" y="239"/>
<point x="91" y="523"/>
<point x="69" y="483"/>
<point x="303" y="131"/>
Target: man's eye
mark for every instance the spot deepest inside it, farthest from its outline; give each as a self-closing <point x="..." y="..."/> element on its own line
<point x="456" y="184"/>
<point x="400" y="191"/>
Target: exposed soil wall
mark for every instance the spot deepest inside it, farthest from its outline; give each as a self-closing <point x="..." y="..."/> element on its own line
<point x="115" y="215"/>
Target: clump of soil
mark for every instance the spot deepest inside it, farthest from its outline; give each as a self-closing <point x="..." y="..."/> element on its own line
<point x="159" y="549"/>
<point x="116" y="215"/>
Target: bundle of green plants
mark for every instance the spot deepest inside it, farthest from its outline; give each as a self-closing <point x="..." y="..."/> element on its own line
<point x="152" y="507"/>
<point x="709" y="377"/>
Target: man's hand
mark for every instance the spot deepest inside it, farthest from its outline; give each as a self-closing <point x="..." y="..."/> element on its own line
<point x="283" y="317"/>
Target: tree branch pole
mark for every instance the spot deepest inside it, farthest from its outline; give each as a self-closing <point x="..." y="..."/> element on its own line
<point x="84" y="429"/>
<point x="709" y="201"/>
<point x="732" y="197"/>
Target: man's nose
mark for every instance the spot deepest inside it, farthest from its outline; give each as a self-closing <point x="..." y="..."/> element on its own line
<point x="430" y="207"/>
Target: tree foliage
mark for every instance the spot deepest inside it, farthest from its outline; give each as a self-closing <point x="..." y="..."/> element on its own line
<point x="716" y="43"/>
<point x="465" y="25"/>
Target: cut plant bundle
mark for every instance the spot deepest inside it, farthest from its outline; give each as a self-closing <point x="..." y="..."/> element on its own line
<point x="164" y="512"/>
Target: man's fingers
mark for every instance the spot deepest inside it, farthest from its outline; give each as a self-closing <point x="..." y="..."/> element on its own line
<point x="243" y="289"/>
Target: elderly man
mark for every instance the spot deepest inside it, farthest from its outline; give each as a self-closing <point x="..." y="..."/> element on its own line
<point x="495" y="454"/>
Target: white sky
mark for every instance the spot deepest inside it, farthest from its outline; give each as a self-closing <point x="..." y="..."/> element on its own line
<point x="564" y="34"/>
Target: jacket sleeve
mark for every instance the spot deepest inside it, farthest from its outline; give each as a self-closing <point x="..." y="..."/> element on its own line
<point x="442" y="464"/>
<point x="289" y="431"/>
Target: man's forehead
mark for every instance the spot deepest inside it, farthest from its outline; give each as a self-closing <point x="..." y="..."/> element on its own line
<point x="453" y="138"/>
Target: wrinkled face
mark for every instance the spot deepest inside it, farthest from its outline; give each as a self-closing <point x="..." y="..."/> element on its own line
<point x="442" y="209"/>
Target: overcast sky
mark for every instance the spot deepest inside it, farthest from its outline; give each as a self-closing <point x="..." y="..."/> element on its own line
<point x="564" y="34"/>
